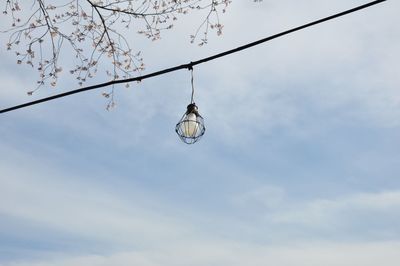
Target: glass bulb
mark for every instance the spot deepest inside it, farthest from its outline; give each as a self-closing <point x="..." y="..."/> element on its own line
<point x="189" y="126"/>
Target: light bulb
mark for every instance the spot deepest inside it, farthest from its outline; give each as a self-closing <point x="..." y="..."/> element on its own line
<point x="190" y="126"/>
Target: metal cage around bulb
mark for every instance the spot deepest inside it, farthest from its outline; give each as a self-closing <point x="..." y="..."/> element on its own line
<point x="191" y="126"/>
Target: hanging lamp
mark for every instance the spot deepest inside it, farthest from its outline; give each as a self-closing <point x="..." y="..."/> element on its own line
<point x="190" y="127"/>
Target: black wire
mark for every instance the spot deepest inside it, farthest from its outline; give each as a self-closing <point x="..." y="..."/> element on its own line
<point x="191" y="64"/>
<point x="192" y="82"/>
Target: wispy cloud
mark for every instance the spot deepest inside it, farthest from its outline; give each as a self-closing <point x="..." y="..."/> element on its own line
<point x="367" y="254"/>
<point x="325" y="212"/>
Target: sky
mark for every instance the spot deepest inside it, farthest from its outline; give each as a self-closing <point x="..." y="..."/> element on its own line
<point x="299" y="165"/>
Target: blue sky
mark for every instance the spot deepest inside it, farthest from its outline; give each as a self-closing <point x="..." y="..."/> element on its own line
<point x="299" y="165"/>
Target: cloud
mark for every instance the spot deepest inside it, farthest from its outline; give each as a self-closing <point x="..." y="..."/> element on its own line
<point x="224" y="254"/>
<point x="325" y="212"/>
<point x="286" y="218"/>
<point x="66" y="204"/>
